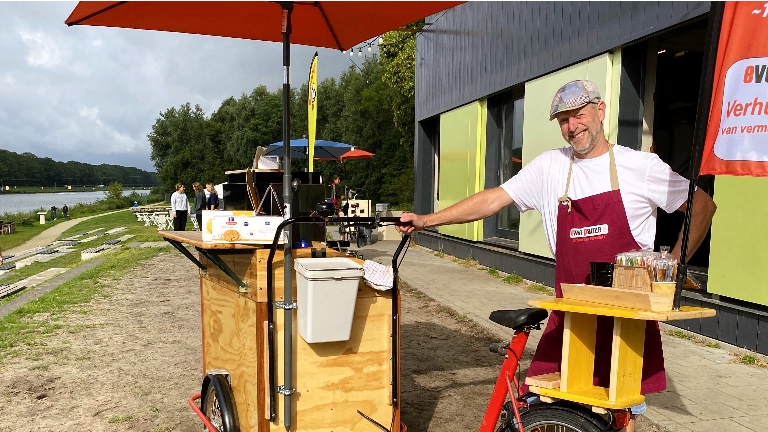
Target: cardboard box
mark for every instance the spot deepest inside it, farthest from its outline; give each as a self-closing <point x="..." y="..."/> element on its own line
<point x="239" y="227"/>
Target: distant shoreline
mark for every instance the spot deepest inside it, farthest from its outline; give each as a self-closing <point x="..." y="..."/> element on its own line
<point x="37" y="190"/>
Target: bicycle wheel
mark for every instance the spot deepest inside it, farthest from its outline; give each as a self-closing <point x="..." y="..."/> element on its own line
<point x="218" y="404"/>
<point x="544" y="417"/>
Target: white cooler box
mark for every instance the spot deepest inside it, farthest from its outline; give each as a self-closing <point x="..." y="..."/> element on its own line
<point x="327" y="292"/>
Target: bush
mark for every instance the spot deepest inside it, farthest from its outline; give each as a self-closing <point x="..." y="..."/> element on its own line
<point x="157" y="194"/>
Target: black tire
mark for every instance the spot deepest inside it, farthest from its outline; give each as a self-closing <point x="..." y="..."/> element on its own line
<point x="543" y="417"/>
<point x="218" y="404"/>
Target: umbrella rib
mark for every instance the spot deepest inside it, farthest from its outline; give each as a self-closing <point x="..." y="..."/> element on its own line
<point x="328" y="23"/>
<point x="99" y="12"/>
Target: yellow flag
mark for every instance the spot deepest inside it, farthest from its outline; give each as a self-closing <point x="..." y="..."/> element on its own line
<point x="312" y="110"/>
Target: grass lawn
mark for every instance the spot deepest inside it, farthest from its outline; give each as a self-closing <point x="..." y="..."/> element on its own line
<point x="18" y="328"/>
<point x="24" y="233"/>
<point x="120" y="219"/>
<point x="124" y="218"/>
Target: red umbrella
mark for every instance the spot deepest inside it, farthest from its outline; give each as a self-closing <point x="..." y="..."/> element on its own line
<point x="340" y="25"/>
<point x="356" y="154"/>
<point x="326" y="24"/>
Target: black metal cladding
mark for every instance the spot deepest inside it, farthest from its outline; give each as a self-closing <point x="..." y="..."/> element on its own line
<point x="479" y="48"/>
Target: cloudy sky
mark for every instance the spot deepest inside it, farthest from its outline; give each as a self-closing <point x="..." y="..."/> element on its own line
<point x="91" y="94"/>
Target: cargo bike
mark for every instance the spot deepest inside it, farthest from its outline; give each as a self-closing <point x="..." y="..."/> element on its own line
<point x="259" y="372"/>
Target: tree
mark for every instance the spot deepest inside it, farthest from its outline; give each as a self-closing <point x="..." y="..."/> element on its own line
<point x="398" y="52"/>
<point x="181" y="148"/>
<point x="364" y="108"/>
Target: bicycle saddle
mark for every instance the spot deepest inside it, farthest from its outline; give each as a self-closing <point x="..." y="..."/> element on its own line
<point x="517" y="319"/>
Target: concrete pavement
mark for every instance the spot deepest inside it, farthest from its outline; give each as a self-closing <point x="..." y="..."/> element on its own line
<point x="705" y="391"/>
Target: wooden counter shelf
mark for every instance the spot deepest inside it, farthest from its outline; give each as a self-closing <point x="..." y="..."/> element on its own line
<point x="195" y="238"/>
<point x="574" y="381"/>
<point x="332" y="380"/>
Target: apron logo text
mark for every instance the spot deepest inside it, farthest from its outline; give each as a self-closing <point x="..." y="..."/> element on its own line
<point x="596" y="232"/>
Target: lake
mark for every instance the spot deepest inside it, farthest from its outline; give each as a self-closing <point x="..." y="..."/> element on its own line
<point x="15" y="203"/>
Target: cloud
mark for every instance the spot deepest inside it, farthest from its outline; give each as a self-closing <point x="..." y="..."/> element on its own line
<point x="43" y="49"/>
<point x="89" y="113"/>
<point x="92" y="94"/>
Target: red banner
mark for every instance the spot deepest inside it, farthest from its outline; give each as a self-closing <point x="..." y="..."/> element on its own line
<point x="737" y="130"/>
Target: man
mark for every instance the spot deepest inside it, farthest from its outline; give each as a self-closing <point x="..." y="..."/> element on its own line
<point x="65" y="212"/>
<point x="590" y="182"/>
<point x="53" y="212"/>
<point x="212" y="202"/>
<point x="336" y="195"/>
<point x="179" y="208"/>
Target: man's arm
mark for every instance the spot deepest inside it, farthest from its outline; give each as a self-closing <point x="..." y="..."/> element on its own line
<point x="701" y="218"/>
<point x="475" y="207"/>
<point x="173" y="205"/>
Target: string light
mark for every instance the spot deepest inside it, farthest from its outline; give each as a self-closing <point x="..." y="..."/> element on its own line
<point x="379" y="42"/>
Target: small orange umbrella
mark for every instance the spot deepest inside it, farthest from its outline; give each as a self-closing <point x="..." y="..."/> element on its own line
<point x="356" y="154"/>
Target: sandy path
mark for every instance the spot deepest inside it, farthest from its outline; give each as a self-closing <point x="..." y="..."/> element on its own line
<point x="131" y="361"/>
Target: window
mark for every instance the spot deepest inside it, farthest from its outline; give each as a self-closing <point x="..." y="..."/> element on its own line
<point x="504" y="157"/>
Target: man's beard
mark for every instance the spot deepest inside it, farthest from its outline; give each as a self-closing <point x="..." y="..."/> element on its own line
<point x="592" y="140"/>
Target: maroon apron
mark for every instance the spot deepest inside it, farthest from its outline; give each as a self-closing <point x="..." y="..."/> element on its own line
<point x="572" y="266"/>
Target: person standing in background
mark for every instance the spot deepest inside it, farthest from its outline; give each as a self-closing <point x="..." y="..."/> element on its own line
<point x="200" y="204"/>
<point x="65" y="212"/>
<point x="179" y="208"/>
<point x="213" y="198"/>
<point x="53" y="212"/>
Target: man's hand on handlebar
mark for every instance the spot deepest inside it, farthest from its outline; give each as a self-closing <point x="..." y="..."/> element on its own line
<point x="409" y="223"/>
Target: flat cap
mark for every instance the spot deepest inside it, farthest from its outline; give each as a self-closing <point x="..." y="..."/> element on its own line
<point x="572" y="95"/>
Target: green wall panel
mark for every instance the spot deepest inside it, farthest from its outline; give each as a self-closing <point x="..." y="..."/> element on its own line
<point x="462" y="163"/>
<point x="540" y="135"/>
<point x="738" y="262"/>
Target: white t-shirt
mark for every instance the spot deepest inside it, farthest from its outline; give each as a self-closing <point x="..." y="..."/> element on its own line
<point x="645" y="181"/>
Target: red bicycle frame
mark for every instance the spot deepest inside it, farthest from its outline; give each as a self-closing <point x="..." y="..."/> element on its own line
<point x="504" y="385"/>
<point x="200" y="414"/>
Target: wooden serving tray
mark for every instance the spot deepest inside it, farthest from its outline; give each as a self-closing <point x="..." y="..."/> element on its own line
<point x="633" y="299"/>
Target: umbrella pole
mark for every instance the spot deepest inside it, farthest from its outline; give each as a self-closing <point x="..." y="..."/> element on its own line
<point x="699" y="134"/>
<point x="287" y="387"/>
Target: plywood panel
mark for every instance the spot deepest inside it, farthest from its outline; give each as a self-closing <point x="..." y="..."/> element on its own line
<point x="334" y="380"/>
<point x="577" y="365"/>
<point x="626" y="358"/>
<point x="240" y="263"/>
<point x="230" y="342"/>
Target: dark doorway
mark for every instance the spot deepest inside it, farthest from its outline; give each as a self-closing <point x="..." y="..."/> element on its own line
<point x="678" y="74"/>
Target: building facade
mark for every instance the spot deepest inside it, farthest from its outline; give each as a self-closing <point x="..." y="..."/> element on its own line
<point x="486" y="73"/>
